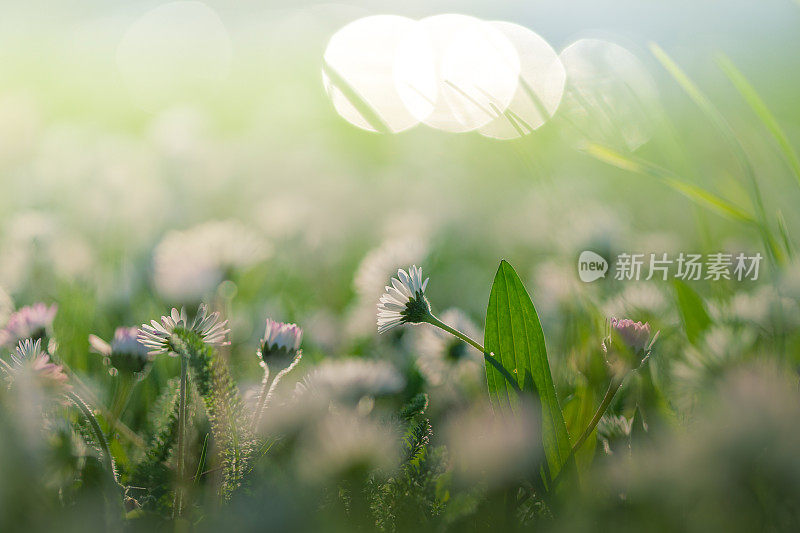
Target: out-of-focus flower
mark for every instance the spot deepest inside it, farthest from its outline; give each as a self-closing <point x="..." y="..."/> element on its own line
<point x="742" y="441"/>
<point x="637" y="298"/>
<point x="6" y="306"/>
<point x="382" y="261"/>
<point x="721" y="350"/>
<point x="157" y="336"/>
<point x="280" y="343"/>
<point x="487" y="448"/>
<point x="557" y="286"/>
<point x="346" y="445"/>
<point x="635" y="335"/>
<point x="404" y="302"/>
<point x="126" y="353"/>
<point x="444" y="358"/>
<point x="31" y="322"/>
<point x="36" y="241"/>
<point x="189" y="264"/>
<point x="30" y="361"/>
<point x="350" y="380"/>
<point x="612" y="428"/>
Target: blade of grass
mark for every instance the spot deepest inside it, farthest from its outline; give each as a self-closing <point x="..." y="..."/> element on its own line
<point x="356" y="100"/>
<point x="718" y="120"/>
<point x="784" y="231"/>
<point x="761" y="110"/>
<point x="697" y="194"/>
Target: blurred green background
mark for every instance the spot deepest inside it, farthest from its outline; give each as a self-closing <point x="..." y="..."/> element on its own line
<point x="249" y="192"/>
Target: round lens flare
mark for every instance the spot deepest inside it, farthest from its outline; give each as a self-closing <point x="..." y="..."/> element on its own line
<point x="457" y="73"/>
<point x="358" y="74"/>
<point x="610" y="97"/>
<point x="174" y="53"/>
<point x="540" y="87"/>
<point x="451" y="72"/>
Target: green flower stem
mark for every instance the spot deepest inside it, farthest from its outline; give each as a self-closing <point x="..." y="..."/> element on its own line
<point x="262" y="399"/>
<point x="122" y="395"/>
<point x="268" y="391"/>
<point x="118" y="425"/>
<point x="108" y="459"/>
<point x="613" y="387"/>
<point x="489" y="357"/>
<point x="177" y="508"/>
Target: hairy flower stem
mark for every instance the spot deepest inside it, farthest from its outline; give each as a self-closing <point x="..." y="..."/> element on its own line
<point x="489" y="357"/>
<point x="262" y="399"/>
<point x="177" y="507"/>
<point x="267" y="392"/>
<point x="122" y="395"/>
<point x="101" y="438"/>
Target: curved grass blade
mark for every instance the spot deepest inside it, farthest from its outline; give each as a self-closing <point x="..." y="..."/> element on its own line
<point x="722" y="125"/>
<point x="515" y="337"/>
<point x="787" y="241"/>
<point x="700" y="196"/>
<point x="761" y="110"/>
<point x="356" y="100"/>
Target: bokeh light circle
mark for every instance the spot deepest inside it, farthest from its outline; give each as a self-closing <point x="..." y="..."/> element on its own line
<point x="361" y="54"/>
<point x="456" y="73"/>
<point x="540" y="87"/>
<point x="610" y="95"/>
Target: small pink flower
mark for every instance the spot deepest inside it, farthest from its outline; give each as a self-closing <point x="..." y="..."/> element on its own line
<point x="30" y="322"/>
<point x="635" y="335"/>
<point x="125" y="353"/>
<point x="280" y="340"/>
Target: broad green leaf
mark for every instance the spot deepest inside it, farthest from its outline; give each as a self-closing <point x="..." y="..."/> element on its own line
<point x="692" y="310"/>
<point x="578" y="413"/>
<point x="514" y="338"/>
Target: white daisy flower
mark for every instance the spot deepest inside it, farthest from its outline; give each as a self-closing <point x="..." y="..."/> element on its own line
<point x="404" y="301"/>
<point x="371" y="275"/>
<point x="157" y="336"/>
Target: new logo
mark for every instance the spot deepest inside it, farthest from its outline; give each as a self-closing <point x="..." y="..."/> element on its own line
<point x="591" y="266"/>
